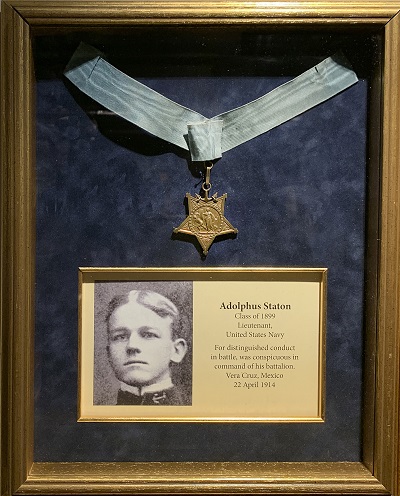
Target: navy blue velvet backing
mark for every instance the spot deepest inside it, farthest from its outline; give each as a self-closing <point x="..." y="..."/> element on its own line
<point x="110" y="195"/>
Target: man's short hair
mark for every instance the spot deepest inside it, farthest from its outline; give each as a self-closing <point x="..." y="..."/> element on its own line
<point x="159" y="304"/>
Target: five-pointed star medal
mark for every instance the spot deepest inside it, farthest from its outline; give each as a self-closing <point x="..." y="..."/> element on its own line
<point x="206" y="220"/>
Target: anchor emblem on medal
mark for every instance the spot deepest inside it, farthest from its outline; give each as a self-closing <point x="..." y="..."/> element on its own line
<point x="206" y="218"/>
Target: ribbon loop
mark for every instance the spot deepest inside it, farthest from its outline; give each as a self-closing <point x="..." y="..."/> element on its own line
<point x="204" y="140"/>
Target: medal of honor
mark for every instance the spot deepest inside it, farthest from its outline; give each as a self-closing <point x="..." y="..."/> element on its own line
<point x="206" y="218"/>
<point x="205" y="139"/>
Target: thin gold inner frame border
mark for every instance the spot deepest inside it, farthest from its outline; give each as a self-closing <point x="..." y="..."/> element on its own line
<point x="88" y="276"/>
<point x="378" y="472"/>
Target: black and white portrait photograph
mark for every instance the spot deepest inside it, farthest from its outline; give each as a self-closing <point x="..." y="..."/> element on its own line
<point x="143" y="343"/>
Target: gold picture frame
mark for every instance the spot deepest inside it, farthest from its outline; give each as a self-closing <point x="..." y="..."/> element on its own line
<point x="378" y="472"/>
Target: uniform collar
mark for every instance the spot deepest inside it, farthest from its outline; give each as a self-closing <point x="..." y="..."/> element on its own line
<point x="151" y="388"/>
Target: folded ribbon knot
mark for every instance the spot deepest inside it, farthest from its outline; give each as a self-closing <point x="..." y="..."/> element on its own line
<point x="205" y="140"/>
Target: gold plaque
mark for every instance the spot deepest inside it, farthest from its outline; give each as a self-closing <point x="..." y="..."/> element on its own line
<point x="256" y="341"/>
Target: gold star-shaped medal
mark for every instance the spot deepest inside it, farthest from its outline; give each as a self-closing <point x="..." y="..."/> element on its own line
<point x="206" y="220"/>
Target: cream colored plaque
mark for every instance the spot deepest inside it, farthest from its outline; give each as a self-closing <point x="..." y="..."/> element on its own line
<point x="256" y="343"/>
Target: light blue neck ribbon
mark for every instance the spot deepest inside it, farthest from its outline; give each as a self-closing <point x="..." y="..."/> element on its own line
<point x="206" y="139"/>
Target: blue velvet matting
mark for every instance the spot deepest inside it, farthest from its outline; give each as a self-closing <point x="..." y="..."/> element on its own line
<point x="110" y="195"/>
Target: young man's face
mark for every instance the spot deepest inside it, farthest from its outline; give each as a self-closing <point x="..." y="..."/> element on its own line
<point x="141" y="345"/>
